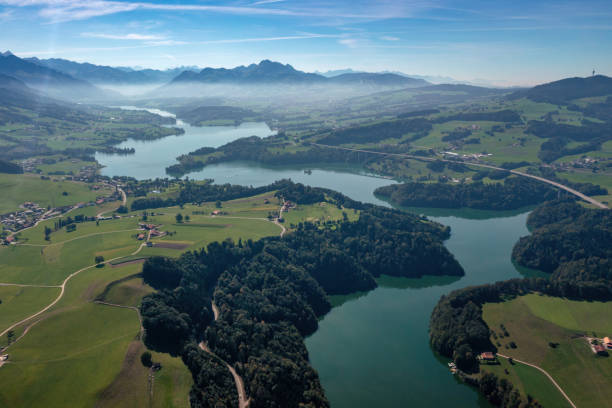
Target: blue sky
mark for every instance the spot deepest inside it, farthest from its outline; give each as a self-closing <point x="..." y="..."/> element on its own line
<point x="510" y="42"/>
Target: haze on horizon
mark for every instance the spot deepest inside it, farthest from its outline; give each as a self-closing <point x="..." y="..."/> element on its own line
<point x="498" y="43"/>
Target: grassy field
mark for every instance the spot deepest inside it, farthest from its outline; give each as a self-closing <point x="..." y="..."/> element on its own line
<point x="533" y="321"/>
<point x="530" y="382"/>
<point x="93" y="348"/>
<point x="129" y="292"/>
<point x="20" y="302"/>
<point x="18" y="188"/>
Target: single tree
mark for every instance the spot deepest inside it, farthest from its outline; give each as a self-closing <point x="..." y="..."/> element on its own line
<point x="146" y="359"/>
<point x="99" y="259"/>
<point x="218" y="204"/>
<point x="179" y="218"/>
<point x="187" y="218"/>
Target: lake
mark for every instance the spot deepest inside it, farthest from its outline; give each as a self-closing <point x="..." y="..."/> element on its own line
<point x="372" y="349"/>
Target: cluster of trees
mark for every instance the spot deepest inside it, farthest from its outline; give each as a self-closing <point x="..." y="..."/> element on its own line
<point x="378" y="131"/>
<point x="559" y="135"/>
<point x="256" y="149"/>
<point x="10" y="168"/>
<point x="198" y="193"/>
<point x="500" y="392"/>
<point x="457" y="134"/>
<point x="270" y="293"/>
<point x="601" y="111"/>
<point x="569" y="241"/>
<point x="422" y="112"/>
<point x="513" y="193"/>
<point x="201" y="114"/>
<point x="505" y="115"/>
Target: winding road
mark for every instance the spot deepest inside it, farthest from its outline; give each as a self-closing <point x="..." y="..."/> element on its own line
<point x="61" y="294"/>
<point x="243" y="401"/>
<point x="545" y="373"/>
<point x="488" y="166"/>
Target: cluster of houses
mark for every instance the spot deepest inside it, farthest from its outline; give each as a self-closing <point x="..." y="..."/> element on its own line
<point x="603" y="347"/>
<point x="584" y="162"/>
<point x="26" y="217"/>
<point x="152" y="231"/>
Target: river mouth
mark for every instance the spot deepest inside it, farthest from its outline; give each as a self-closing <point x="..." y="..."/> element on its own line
<point x="372" y="349"/>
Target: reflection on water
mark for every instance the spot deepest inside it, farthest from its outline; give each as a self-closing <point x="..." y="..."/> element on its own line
<point x="396" y="282"/>
<point x="372" y="349"/>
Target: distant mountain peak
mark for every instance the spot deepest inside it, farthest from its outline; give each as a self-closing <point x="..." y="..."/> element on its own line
<point x="7" y="53"/>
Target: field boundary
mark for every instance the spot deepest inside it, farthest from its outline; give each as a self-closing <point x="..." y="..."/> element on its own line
<point x="545" y="373"/>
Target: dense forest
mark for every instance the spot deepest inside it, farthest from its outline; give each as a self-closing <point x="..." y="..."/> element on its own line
<point x="257" y="149"/>
<point x="270" y="294"/>
<point x="196" y="116"/>
<point x="378" y="132"/>
<point x="569" y="238"/>
<point x="513" y="193"/>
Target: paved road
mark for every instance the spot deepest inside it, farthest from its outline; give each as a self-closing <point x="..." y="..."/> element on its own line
<point x="518" y="173"/>
<point x="546" y="374"/>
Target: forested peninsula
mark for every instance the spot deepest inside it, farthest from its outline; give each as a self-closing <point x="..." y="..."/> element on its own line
<point x="270" y="293"/>
<point x="513" y="193"/>
<point x="570" y="242"/>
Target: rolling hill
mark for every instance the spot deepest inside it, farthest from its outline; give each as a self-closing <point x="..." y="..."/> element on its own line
<point x="567" y="89"/>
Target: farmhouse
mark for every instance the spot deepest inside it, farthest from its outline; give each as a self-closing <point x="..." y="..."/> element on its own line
<point x="487" y="356"/>
<point x="607" y="343"/>
<point x="599" y="349"/>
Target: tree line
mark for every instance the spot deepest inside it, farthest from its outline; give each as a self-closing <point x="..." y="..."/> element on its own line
<point x="514" y="192"/>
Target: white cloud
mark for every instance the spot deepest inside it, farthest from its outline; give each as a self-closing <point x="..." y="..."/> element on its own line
<point x="141" y="37"/>
<point x="389" y="38"/>
<point x="349" y="42"/>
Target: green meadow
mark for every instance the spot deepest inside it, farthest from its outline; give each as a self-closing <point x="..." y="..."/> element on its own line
<point x="19" y="302"/>
<point x="533" y="322"/>
<point x="18" y="188"/>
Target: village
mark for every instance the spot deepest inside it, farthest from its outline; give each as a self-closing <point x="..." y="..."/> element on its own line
<point x="30" y="214"/>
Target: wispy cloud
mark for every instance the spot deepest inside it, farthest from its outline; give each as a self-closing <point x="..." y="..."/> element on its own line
<point x="265" y="39"/>
<point x="141" y="37"/>
<point x="161" y="43"/>
<point x="257" y="3"/>
<point x="389" y="38"/>
<point x="67" y="10"/>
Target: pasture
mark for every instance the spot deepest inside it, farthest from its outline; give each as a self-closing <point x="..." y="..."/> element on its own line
<point x="548" y="332"/>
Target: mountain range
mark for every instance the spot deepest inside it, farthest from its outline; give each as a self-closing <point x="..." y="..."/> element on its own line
<point x="100" y="74"/>
<point x="274" y="72"/>
<point x="46" y="79"/>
